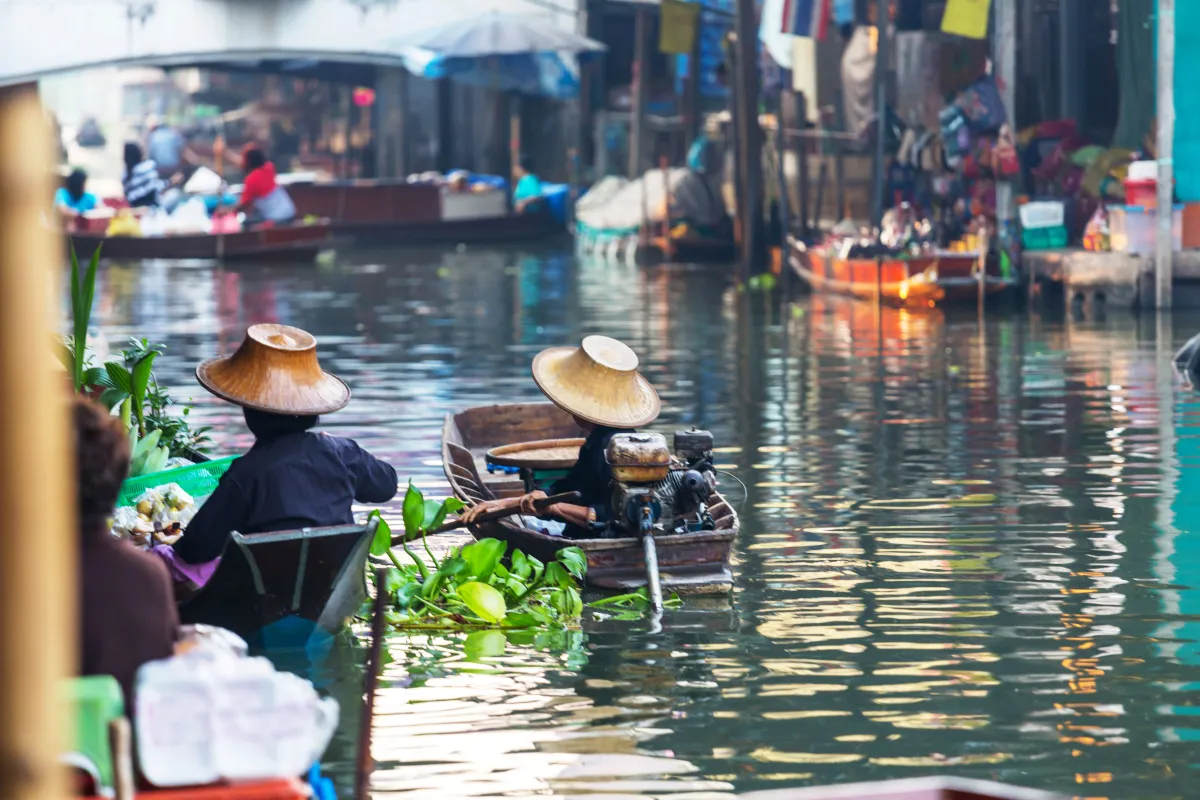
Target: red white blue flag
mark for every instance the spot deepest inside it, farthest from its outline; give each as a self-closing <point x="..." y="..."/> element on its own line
<point x="806" y="17"/>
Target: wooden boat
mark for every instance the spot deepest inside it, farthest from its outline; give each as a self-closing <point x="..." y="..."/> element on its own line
<point x="694" y="563"/>
<point x="397" y="212"/>
<point x="286" y="243"/>
<point x="909" y="789"/>
<point x="276" y="589"/>
<point x="926" y="280"/>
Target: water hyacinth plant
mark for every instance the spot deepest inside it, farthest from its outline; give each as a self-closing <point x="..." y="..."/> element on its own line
<point x="470" y="587"/>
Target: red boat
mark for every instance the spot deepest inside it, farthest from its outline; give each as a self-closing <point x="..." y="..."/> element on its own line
<point x="924" y="280"/>
<point x="290" y="243"/>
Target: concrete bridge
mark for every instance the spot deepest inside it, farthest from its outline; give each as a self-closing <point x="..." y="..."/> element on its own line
<point x="39" y="38"/>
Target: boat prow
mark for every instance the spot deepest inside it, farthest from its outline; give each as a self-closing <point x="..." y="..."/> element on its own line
<point x="692" y="563"/>
<point x="277" y="589"/>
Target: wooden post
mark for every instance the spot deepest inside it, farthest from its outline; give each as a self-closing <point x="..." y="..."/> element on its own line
<point x="37" y="602"/>
<point x="1005" y="49"/>
<point x="879" y="165"/>
<point x="691" y="98"/>
<point x="749" y="134"/>
<point x="1164" y="243"/>
<point x="641" y="70"/>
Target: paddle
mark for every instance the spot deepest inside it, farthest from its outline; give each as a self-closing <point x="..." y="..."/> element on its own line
<point x="488" y="516"/>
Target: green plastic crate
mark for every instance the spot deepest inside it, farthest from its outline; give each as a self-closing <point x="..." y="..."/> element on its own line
<point x="1052" y="238"/>
<point x="198" y="480"/>
<point x="95" y="702"/>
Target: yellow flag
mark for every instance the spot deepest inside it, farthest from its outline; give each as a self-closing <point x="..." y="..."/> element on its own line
<point x="967" y="18"/>
<point x="677" y="26"/>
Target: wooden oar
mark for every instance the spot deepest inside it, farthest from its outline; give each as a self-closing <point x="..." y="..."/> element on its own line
<point x="488" y="516"/>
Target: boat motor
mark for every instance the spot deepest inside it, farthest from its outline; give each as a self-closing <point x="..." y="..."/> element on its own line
<point x="640" y="463"/>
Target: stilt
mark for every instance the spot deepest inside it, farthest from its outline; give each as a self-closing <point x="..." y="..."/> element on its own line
<point x="749" y="135"/>
<point x="641" y="70"/>
<point x="1164" y="244"/>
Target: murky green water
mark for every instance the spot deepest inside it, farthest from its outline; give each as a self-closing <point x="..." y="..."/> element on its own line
<point x="966" y="548"/>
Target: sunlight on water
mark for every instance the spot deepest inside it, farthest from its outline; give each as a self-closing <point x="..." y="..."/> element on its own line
<point x="965" y="548"/>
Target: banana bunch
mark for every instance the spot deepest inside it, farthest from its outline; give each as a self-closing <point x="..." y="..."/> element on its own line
<point x="148" y="456"/>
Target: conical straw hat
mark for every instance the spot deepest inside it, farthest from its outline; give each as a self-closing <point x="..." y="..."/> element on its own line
<point x="275" y="370"/>
<point x="597" y="382"/>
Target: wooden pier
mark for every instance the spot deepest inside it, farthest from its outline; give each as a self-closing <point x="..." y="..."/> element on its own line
<point x="1095" y="281"/>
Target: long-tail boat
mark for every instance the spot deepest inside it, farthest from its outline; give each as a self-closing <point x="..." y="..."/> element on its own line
<point x="689" y="563"/>
<point x="290" y="243"/>
<point x="925" y="280"/>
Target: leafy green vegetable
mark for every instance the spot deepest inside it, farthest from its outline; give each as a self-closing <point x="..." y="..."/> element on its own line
<point x="486" y="602"/>
<point x="83" y="293"/>
<point x="483" y="557"/>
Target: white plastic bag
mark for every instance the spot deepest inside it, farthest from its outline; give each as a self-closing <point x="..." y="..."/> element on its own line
<point x="203" y="181"/>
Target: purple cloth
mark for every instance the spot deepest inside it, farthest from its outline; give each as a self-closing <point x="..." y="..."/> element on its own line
<point x="196" y="574"/>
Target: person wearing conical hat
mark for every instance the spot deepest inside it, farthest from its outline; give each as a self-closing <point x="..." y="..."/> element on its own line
<point x="598" y="384"/>
<point x="292" y="477"/>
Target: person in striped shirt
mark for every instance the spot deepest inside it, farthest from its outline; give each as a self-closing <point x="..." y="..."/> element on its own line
<point x="142" y="183"/>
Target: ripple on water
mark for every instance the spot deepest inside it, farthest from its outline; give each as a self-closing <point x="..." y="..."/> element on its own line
<point x="965" y="548"/>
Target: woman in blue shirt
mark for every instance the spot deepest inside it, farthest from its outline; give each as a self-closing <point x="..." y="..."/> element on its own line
<point x="73" y="200"/>
<point x="529" y="186"/>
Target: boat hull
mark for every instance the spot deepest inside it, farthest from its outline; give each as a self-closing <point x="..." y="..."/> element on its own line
<point x="920" y="281"/>
<point x="277" y="589"/>
<point x="695" y="563"/>
<point x="289" y="244"/>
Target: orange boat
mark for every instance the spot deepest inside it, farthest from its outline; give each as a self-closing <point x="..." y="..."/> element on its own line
<point x="925" y="280"/>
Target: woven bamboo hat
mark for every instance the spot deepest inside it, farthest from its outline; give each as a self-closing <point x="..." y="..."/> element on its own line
<point x="598" y="382"/>
<point x="275" y="370"/>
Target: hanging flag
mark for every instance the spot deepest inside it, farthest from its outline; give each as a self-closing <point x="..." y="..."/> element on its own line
<point x="806" y="17"/>
<point x="677" y="26"/>
<point x="967" y="18"/>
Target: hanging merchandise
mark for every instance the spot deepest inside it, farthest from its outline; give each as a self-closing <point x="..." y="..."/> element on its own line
<point x="677" y="26"/>
<point x="806" y="17"/>
<point x="967" y="18"/>
<point x="843" y="12"/>
<point x="858" y="79"/>
<point x="981" y="104"/>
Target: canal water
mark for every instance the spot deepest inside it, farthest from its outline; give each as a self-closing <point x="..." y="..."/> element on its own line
<point x="968" y="546"/>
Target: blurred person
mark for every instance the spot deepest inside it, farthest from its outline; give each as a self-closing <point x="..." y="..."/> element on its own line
<point x="73" y="200"/>
<point x="527" y="195"/>
<point x="263" y="200"/>
<point x="167" y="148"/>
<point x="127" y="612"/>
<point x="141" y="181"/>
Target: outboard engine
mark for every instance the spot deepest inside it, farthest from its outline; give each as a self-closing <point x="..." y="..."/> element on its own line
<point x="650" y="491"/>
<point x="640" y="463"/>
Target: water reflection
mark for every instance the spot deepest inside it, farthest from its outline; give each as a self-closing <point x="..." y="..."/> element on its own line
<point x="967" y="546"/>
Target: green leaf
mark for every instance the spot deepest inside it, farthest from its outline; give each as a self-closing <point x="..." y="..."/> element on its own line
<point x="382" y="542"/>
<point x="557" y="576"/>
<point x="118" y="377"/>
<point x="520" y="565"/>
<point x="414" y="510"/>
<point x="484" y="644"/>
<point x="141" y="381"/>
<point x="487" y="603"/>
<point x="520" y="619"/>
<point x="453" y="566"/>
<point x="407" y="593"/>
<point x="567" y="602"/>
<point x="93" y="375"/>
<point x="483" y="556"/>
<point x="435" y="511"/>
<point x="574" y="559"/>
<point x="111" y="398"/>
<point x="633" y="598"/>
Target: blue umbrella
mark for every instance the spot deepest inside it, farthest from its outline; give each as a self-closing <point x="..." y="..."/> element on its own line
<point x="504" y="51"/>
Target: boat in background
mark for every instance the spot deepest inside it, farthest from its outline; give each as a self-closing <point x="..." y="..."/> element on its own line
<point x="288" y="243"/>
<point x="398" y="212"/>
<point x="925" y="280"/>
<point x="690" y="563"/>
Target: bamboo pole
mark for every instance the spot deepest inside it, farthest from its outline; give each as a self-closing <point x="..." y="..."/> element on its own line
<point x="38" y="556"/>
<point x="1164" y="243"/>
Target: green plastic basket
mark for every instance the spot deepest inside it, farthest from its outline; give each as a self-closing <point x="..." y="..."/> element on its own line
<point x="198" y="480"/>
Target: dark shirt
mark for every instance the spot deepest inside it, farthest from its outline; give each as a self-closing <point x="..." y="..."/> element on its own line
<point x="298" y="480"/>
<point x="591" y="477"/>
<point x="127" y="610"/>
